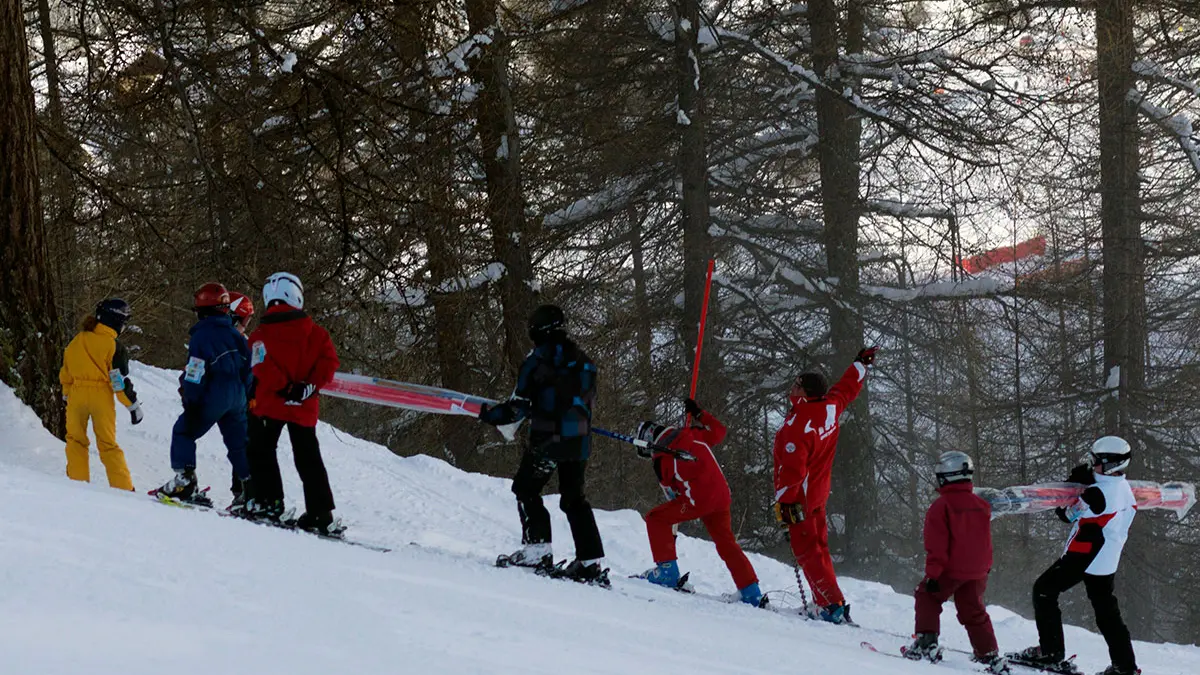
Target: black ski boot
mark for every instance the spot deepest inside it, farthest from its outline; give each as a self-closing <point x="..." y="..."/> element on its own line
<point x="996" y="664"/>
<point x="184" y="488"/>
<point x="1033" y="657"/>
<point x="270" y="510"/>
<point x="241" y="497"/>
<point x="1120" y="670"/>
<point x="924" y="647"/>
<point x="539" y="556"/>
<point x="320" y="522"/>
<point x="590" y="573"/>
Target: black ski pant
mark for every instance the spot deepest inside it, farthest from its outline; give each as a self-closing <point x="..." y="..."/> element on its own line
<point x="532" y="476"/>
<point x="1064" y="574"/>
<point x="264" y="464"/>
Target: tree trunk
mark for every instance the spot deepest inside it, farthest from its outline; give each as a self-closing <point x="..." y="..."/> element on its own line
<point x="838" y="151"/>
<point x="500" y="156"/>
<point x="1124" y="264"/>
<point x="693" y="171"/>
<point x="30" y="336"/>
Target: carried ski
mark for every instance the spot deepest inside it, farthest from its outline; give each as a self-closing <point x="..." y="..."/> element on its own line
<point x="1021" y="499"/>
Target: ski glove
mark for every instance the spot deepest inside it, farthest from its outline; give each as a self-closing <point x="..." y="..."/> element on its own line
<point x="789" y="514"/>
<point x="692" y="408"/>
<point x="135" y="413"/>
<point x="932" y="586"/>
<point x="483" y="411"/>
<point x="866" y="355"/>
<point x="1083" y="475"/>
<point x="297" y="392"/>
<point x="1061" y="512"/>
<point x="193" y="418"/>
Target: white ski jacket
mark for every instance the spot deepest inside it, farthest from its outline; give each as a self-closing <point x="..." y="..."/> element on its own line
<point x="1102" y="517"/>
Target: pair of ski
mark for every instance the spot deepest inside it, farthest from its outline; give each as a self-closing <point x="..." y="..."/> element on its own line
<point x="287" y="521"/>
<point x="684" y="585"/>
<point x="555" y="571"/>
<point x="1064" y="667"/>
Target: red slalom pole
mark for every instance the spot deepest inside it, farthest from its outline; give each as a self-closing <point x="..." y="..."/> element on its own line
<point x="700" y="335"/>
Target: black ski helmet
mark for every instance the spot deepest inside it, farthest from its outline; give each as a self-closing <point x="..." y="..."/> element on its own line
<point x="114" y="313"/>
<point x="545" y="320"/>
<point x="813" y="384"/>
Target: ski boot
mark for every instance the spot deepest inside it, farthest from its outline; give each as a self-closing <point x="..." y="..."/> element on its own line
<point x="751" y="595"/>
<point x="321" y="522"/>
<point x="837" y="613"/>
<point x="664" y="574"/>
<point x="540" y="556"/>
<point x="241" y="497"/>
<point x="1033" y="657"/>
<point x="924" y="647"/>
<point x="996" y="664"/>
<point x="269" y="510"/>
<point x="183" y="487"/>
<point x="589" y="572"/>
<point x="1120" y="670"/>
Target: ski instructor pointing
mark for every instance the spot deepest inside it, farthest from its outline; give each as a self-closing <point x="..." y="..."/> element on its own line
<point x="555" y="389"/>
<point x="804" y="450"/>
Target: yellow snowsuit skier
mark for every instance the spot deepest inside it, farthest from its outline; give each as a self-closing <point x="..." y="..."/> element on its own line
<point x="96" y="366"/>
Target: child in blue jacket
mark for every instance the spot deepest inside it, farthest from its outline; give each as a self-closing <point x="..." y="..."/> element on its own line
<point x="214" y="393"/>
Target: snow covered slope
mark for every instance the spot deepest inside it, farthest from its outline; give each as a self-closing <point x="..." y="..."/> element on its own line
<point x="97" y="581"/>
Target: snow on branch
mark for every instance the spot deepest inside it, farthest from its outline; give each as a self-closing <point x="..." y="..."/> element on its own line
<point x="1150" y="70"/>
<point x="1179" y="125"/>
<point x="902" y="210"/>
<point x="609" y="199"/>
<point x="455" y="60"/>
<point x="415" y="297"/>
<point x="969" y="288"/>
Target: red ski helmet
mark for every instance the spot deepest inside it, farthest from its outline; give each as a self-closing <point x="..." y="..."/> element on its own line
<point x="212" y="296"/>
<point x="241" y="307"/>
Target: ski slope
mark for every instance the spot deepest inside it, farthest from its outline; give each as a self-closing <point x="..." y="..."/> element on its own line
<point x="98" y="581"/>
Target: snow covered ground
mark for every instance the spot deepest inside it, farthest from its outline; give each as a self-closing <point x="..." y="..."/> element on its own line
<point x="97" y="581"/>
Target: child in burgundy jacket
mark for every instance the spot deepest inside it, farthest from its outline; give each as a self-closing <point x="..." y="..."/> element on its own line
<point x="958" y="558"/>
<point x="698" y="491"/>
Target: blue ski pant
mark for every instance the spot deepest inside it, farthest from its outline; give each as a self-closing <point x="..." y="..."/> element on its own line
<point x="196" y="422"/>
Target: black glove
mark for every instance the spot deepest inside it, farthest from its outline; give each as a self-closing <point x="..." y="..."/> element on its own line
<point x="789" y="514"/>
<point x="932" y="586"/>
<point x="866" y="355"/>
<point x="1083" y="475"/>
<point x="645" y="453"/>
<point x="483" y="411"/>
<point x="297" y="392"/>
<point x="692" y="408"/>
<point x="135" y="413"/>
<point x="1061" y="512"/>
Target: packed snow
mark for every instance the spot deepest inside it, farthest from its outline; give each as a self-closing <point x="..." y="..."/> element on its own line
<point x="99" y="581"/>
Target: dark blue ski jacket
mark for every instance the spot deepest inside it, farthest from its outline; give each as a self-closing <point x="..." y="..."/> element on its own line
<point x="218" y="367"/>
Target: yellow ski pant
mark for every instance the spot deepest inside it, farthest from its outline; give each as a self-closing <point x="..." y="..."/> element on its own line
<point x="95" y="403"/>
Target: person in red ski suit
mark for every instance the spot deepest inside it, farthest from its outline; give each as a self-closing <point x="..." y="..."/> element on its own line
<point x="804" y="450"/>
<point x="958" y="559"/>
<point x="292" y="359"/>
<point x="697" y="490"/>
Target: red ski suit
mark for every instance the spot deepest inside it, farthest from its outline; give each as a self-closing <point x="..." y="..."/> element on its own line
<point x="958" y="554"/>
<point x="286" y="348"/>
<point x="700" y="492"/>
<point x="804" y="450"/>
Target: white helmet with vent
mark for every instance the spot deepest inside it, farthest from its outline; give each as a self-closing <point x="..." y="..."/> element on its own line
<point x="285" y="288"/>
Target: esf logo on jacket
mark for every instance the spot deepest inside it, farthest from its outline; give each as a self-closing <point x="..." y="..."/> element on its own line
<point x="823" y="431"/>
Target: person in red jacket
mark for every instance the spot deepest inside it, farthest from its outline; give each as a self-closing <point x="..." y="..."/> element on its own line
<point x="958" y="559"/>
<point x="697" y="490"/>
<point x="292" y="359"/>
<point x="804" y="450"/>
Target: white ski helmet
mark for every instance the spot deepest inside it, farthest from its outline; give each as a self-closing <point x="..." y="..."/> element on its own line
<point x="285" y="288"/>
<point x="652" y="432"/>
<point x="954" y="466"/>
<point x="1111" y="455"/>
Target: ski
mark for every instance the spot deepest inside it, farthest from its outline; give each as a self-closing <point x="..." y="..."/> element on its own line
<point x="287" y="521"/>
<point x="682" y="586"/>
<point x="1065" y="667"/>
<point x="983" y="667"/>
<point x="555" y="571"/>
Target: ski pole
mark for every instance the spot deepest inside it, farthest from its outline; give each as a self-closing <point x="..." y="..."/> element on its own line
<point x="639" y="443"/>
<point x="700" y="334"/>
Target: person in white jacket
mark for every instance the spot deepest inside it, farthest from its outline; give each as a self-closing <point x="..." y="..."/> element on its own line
<point x="1101" y="518"/>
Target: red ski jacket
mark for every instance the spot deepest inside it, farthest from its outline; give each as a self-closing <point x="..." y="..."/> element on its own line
<point x="288" y="347"/>
<point x="805" y="445"/>
<point x="958" y="534"/>
<point x="700" y="482"/>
